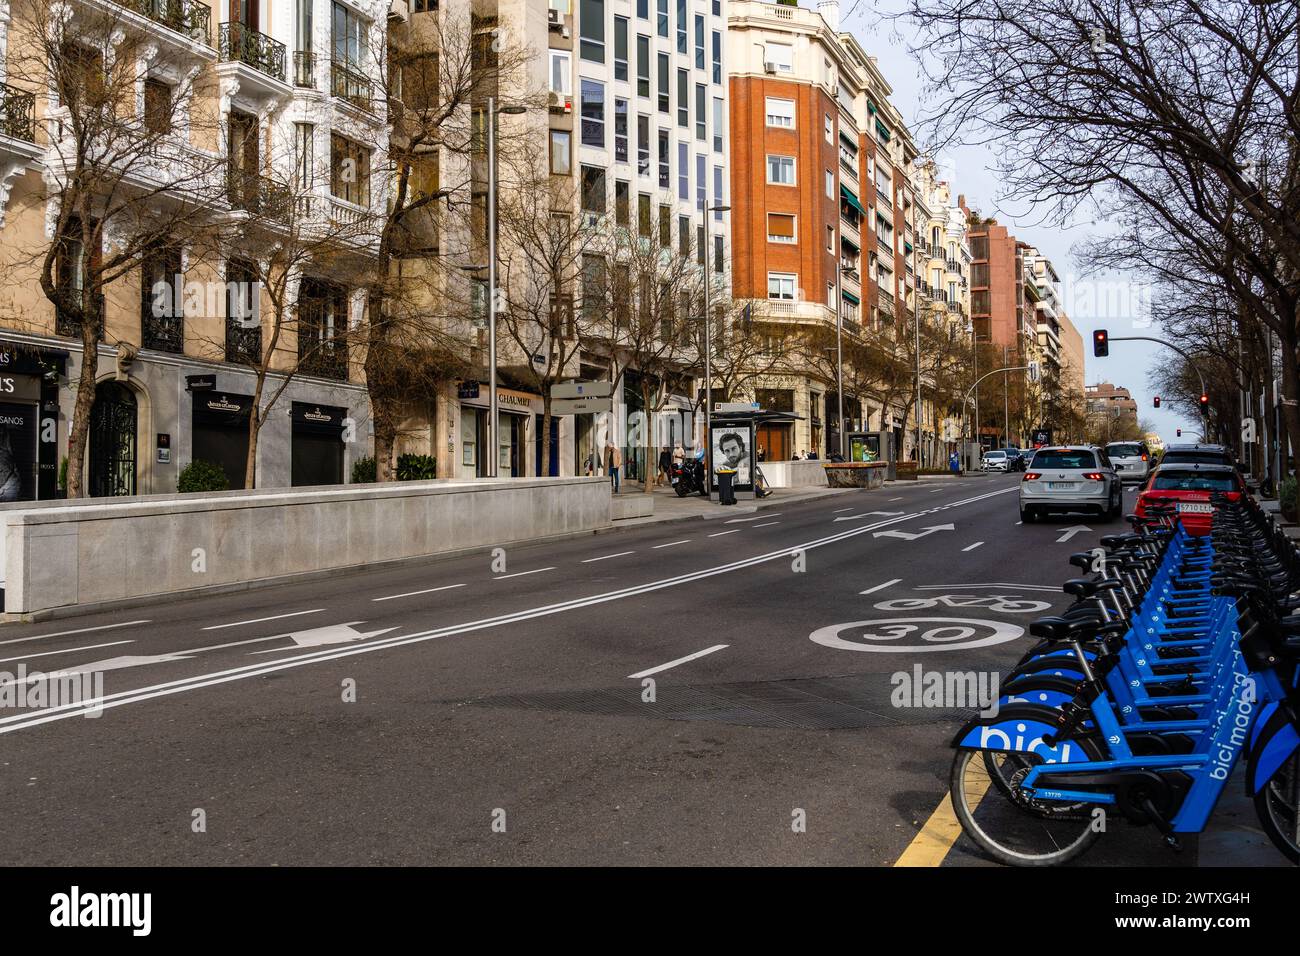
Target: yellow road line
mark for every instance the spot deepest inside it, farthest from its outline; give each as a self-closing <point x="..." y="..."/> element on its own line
<point x="930" y="847"/>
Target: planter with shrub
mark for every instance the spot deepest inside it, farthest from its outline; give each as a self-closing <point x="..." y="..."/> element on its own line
<point x="200" y="475"/>
<point x="1286" y="499"/>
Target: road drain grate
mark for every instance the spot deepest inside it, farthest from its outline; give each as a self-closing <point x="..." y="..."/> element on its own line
<point x="823" y="703"/>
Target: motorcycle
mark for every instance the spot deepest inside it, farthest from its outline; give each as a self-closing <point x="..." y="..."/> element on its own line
<point x="687" y="477"/>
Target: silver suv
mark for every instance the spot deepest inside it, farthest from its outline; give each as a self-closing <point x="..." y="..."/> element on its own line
<point x="1132" y="459"/>
<point x="1070" y="478"/>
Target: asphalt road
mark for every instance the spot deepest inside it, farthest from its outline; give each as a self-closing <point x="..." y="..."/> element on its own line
<point x="494" y="708"/>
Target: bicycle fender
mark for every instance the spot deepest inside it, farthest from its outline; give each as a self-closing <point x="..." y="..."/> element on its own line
<point x="1273" y="739"/>
<point x="1019" y="728"/>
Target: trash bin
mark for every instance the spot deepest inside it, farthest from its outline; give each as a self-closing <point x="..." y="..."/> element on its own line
<point x="726" y="493"/>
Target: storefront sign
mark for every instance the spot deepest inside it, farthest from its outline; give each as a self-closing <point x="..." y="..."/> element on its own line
<point x="508" y="400"/>
<point x="467" y="390"/>
<point x="15" y="359"/>
<point x="323" y="418"/>
<point x="19" y="388"/>
<point x="164" y="447"/>
<point x="200" y="383"/>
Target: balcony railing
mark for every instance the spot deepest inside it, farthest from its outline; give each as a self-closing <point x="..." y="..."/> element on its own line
<point x="184" y="16"/>
<point x="165" y="333"/>
<point x="885" y="247"/>
<point x="346" y="83"/>
<point x="17" y="114"/>
<point x="258" y="195"/>
<point x="243" y="345"/>
<point x="237" y="43"/>
<point x="328" y="358"/>
<point x="304" y="69"/>
<point x="65" y="324"/>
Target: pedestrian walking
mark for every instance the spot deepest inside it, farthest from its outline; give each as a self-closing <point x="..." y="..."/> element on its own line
<point x="613" y="464"/>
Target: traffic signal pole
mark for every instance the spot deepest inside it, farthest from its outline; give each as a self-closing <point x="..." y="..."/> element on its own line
<point x="1205" y="411"/>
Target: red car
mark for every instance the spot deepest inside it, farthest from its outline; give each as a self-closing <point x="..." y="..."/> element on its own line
<point x="1189" y="487"/>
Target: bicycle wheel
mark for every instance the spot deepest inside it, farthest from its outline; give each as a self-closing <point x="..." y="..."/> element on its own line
<point x="1016" y="831"/>
<point x="1276" y="805"/>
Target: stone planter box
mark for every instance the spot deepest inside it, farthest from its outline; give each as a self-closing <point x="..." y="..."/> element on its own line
<point x="905" y="470"/>
<point x="856" y="474"/>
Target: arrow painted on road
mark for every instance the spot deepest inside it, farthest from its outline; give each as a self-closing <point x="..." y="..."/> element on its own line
<point x="1071" y="532"/>
<point x="867" y="514"/>
<point x="333" y="634"/>
<point x="913" y="535"/>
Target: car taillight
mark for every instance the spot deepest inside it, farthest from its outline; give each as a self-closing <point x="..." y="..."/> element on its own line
<point x="1093" y="476"/>
<point x="1031" y="476"/>
<point x="1144" y="457"/>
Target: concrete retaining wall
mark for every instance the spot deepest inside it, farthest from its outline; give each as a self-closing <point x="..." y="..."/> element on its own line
<point x="795" y="474"/>
<point x="59" y="553"/>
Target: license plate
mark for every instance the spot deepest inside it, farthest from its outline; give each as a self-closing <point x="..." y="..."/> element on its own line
<point x="674" y="481"/>
<point x="1196" y="509"/>
<point x="1060" y="486"/>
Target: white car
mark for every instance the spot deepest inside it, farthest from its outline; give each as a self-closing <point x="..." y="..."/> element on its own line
<point x="1070" y="478"/>
<point x="1132" y="460"/>
<point x="994" y="461"/>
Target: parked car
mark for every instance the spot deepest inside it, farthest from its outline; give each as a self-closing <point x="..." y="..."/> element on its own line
<point x="1197" y="454"/>
<point x="1015" y="460"/>
<point x="1070" y="478"/>
<point x="1132" y="459"/>
<point x="1189" y="486"/>
<point x="995" y="460"/>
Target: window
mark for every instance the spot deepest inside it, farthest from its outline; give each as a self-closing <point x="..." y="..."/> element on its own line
<point x="593" y="287"/>
<point x="681" y="27"/>
<point x="780" y="170"/>
<point x="157" y="107"/>
<point x="683" y="99"/>
<point x="349" y="37"/>
<point x="620" y="131"/>
<point x="622" y="202"/>
<point x="662" y="8"/>
<point x="665" y="177"/>
<point x="683" y="172"/>
<point x="620" y="48"/>
<point x="699" y="42"/>
<point x="701" y="245"/>
<point x="304" y="156"/>
<point x="643" y="215"/>
<point x="781" y="285"/>
<point x="717" y="193"/>
<point x="593" y="113"/>
<point x="719" y="121"/>
<point x="593" y="189"/>
<point x="243" y="322"/>
<point x="780" y="56"/>
<point x="830" y="295"/>
<point x="426" y="6"/>
<point x="830" y="238"/>
<point x="162" y="319"/>
<point x="701" y="184"/>
<point x="701" y="112"/>
<point x="643" y="9"/>
<point x="684" y="236"/>
<point x="665" y="226"/>
<point x="781" y="227"/>
<point x="643" y="145"/>
<point x="717" y="57"/>
<point x="718" y="259"/>
<point x="349" y="170"/>
<point x="663" y="83"/>
<point x="643" y="66"/>
<point x="561" y="146"/>
<point x="591" y="17"/>
<point x="780" y="112"/>
<point x="830" y="184"/>
<point x="830" y="129"/>
<point x="561" y="73"/>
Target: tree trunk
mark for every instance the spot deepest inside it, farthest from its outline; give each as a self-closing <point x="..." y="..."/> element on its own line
<point x="84" y="404"/>
<point x="545" y="437"/>
<point x="1290" y="393"/>
<point x="254" y="429"/>
<point x="650" y="468"/>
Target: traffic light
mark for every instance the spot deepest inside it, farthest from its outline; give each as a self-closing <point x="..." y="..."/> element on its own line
<point x="1205" y="403"/>
<point x="1180" y="433"/>
<point x="1100" y="343"/>
<point x="1157" y="401"/>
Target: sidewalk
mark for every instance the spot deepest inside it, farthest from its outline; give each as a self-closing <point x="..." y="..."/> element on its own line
<point x="669" y="507"/>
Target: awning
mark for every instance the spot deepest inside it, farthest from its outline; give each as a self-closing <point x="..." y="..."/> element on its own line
<point x="849" y="296"/>
<point x="846" y="241"/>
<point x="847" y="194"/>
<point x="883" y="130"/>
<point x="907" y="245"/>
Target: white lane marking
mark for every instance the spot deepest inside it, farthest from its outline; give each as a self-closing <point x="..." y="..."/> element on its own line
<point x="680" y="660"/>
<point x="996" y="584"/>
<point x="935" y="490"/>
<point x="606" y="557"/>
<point x="766" y="524"/>
<point x="68" y="650"/>
<point x="199" y="681"/>
<point x="80" y="630"/>
<point x="867" y="514"/>
<point x="899" y="498"/>
<point x="260" y="620"/>
<point x="520" y="574"/>
<point x="972" y="547"/>
<point x="754" y="518"/>
<point x="1071" y="532"/>
<point x="1019" y="522"/>
<point x="913" y="535"/>
<point x="671" y="544"/>
<point x="881" y="587"/>
<point x="838" y="510"/>
<point x="393" y="597"/>
<point x="719" y="534"/>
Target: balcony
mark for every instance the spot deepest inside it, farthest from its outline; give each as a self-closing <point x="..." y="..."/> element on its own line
<point x="304" y="70"/>
<point x="952" y="265"/>
<point x="779" y="310"/>
<point x="327" y="358"/>
<point x="17" y="114"/>
<point x="237" y="43"/>
<point x="258" y="195"/>
<point x="65" y="324"/>
<point x="347" y="84"/>
<point x="187" y="17"/>
<point x="243" y="345"/>
<point x="885" y="248"/>
<point x="163" y="333"/>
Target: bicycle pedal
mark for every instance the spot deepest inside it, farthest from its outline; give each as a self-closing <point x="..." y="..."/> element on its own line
<point x="1174" y="843"/>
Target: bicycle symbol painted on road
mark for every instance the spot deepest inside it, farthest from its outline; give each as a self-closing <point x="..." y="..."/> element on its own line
<point x="1004" y="603"/>
<point x="922" y="635"/>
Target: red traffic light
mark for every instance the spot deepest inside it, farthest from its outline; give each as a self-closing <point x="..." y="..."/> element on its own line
<point x="1157" y="401"/>
<point x="1180" y="433"/>
<point x="1205" y="401"/>
<point x="1100" y="343"/>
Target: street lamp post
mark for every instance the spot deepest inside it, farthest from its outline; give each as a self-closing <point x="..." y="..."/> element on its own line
<point x="840" y="273"/>
<point x="708" y="342"/>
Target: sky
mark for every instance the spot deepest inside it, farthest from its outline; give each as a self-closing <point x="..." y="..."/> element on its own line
<point x="1120" y="304"/>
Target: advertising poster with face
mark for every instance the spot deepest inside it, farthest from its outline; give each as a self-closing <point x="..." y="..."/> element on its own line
<point x="17" y="452"/>
<point x="733" y="447"/>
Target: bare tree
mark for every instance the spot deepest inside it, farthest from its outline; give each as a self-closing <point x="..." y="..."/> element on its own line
<point x="133" y="171"/>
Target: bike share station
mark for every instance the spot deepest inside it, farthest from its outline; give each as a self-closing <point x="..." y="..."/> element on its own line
<point x="734" y="470"/>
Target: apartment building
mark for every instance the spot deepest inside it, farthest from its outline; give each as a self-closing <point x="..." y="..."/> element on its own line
<point x="825" y="218"/>
<point x="282" y="104"/>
